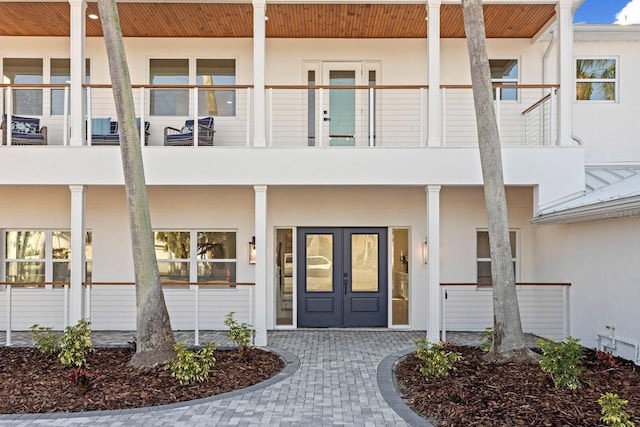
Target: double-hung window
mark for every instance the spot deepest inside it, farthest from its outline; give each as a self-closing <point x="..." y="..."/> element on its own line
<point x="25" y="71"/>
<point x="60" y="73"/>
<point x="505" y="72"/>
<point x="484" y="255"/>
<point x="596" y="79"/>
<point x="176" y="102"/>
<point x="37" y="256"/>
<point x="196" y="256"/>
<point x="30" y="101"/>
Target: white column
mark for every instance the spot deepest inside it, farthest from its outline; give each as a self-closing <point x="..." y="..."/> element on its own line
<point x="77" y="252"/>
<point x="260" y="305"/>
<point x="433" y="263"/>
<point x="433" y="39"/>
<point x="259" y="37"/>
<point x="565" y="70"/>
<point x="77" y="62"/>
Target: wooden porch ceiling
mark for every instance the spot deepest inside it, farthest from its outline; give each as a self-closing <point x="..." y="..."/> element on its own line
<point x="334" y="20"/>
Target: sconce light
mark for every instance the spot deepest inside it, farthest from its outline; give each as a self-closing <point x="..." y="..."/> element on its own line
<point x="425" y="251"/>
<point x="252" y="250"/>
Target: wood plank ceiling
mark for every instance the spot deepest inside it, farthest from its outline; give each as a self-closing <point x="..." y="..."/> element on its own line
<point x="334" y="20"/>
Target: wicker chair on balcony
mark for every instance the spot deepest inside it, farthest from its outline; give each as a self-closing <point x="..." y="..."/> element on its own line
<point x="109" y="134"/>
<point x="184" y="136"/>
<point x="24" y="131"/>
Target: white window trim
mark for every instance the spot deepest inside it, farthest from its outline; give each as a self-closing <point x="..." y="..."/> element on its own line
<point x="615" y="81"/>
<point x="516" y="259"/>
<point x="193" y="250"/>
<point x="503" y="80"/>
<point x="48" y="258"/>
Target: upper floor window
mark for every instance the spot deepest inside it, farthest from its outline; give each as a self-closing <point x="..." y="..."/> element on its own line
<point x="30" y="102"/>
<point x="36" y="256"/>
<point x="484" y="255"/>
<point x="505" y="72"/>
<point x="196" y="256"/>
<point x="25" y="71"/>
<point x="218" y="102"/>
<point x="596" y="79"/>
<point x="61" y="74"/>
<point x="175" y="102"/>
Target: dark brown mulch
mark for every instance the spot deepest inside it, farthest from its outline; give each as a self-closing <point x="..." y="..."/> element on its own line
<point x="479" y="393"/>
<point x="32" y="383"/>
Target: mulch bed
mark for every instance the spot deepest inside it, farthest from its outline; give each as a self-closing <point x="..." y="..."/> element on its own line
<point x="34" y="383"/>
<point x="479" y="393"/>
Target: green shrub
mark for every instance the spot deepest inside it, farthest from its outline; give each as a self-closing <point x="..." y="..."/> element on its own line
<point x="438" y="360"/>
<point x="45" y="340"/>
<point x="76" y="344"/>
<point x="190" y="366"/>
<point x="240" y="333"/>
<point x="562" y="360"/>
<point x="612" y="412"/>
<point x="487" y="340"/>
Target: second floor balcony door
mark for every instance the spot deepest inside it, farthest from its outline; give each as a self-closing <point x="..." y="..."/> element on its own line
<point x="342" y="112"/>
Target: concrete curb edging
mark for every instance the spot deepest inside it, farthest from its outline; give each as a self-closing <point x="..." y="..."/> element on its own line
<point x="292" y="364"/>
<point x="390" y="394"/>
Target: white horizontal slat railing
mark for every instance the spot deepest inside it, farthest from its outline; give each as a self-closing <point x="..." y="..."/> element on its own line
<point x="112" y="305"/>
<point x="544" y="308"/>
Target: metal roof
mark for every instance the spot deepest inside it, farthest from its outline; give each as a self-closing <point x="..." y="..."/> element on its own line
<point x="610" y="192"/>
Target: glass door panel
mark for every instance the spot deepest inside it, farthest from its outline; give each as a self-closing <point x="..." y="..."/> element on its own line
<point x="342" y="106"/>
<point x="319" y="263"/>
<point x="364" y="263"/>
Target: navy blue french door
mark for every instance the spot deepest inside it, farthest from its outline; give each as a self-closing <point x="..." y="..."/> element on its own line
<point x="342" y="277"/>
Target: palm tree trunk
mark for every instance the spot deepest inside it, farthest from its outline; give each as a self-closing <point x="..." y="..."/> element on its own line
<point x="155" y="341"/>
<point x="508" y="338"/>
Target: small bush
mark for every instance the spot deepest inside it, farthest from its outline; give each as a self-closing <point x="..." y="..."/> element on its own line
<point x="562" y="360"/>
<point x="82" y="379"/>
<point x="241" y="333"/>
<point x="45" y="340"/>
<point x="189" y="367"/>
<point x="487" y="340"/>
<point x="612" y="412"/>
<point x="438" y="360"/>
<point x="76" y="344"/>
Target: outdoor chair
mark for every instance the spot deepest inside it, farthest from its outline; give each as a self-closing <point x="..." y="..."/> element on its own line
<point x="184" y="136"/>
<point x="24" y="131"/>
<point x="100" y="135"/>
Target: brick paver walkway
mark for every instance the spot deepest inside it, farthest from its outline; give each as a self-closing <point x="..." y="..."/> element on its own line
<point x="331" y="380"/>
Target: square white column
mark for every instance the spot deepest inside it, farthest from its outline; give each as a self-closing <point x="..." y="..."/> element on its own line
<point x="260" y="305"/>
<point x="78" y="232"/>
<point x="433" y="263"/>
<point x="259" y="37"/>
<point x="77" y="64"/>
<point x="565" y="68"/>
<point x="433" y="39"/>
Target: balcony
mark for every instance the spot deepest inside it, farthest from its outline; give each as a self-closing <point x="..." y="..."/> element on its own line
<point x="301" y="116"/>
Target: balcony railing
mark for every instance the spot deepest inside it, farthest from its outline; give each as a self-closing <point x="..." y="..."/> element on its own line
<point x="301" y="116"/>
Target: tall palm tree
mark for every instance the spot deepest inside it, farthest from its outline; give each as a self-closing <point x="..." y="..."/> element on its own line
<point x="508" y="338"/>
<point x="155" y="341"/>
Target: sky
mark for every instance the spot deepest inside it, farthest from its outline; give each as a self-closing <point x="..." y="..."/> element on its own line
<point x="608" y="12"/>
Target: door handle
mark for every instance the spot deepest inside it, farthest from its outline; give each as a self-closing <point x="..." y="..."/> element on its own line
<point x="326" y="119"/>
<point x="346" y="285"/>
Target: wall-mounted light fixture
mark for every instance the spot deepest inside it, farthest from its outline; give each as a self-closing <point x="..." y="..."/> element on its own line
<point x="425" y="252"/>
<point x="93" y="16"/>
<point x="252" y="250"/>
